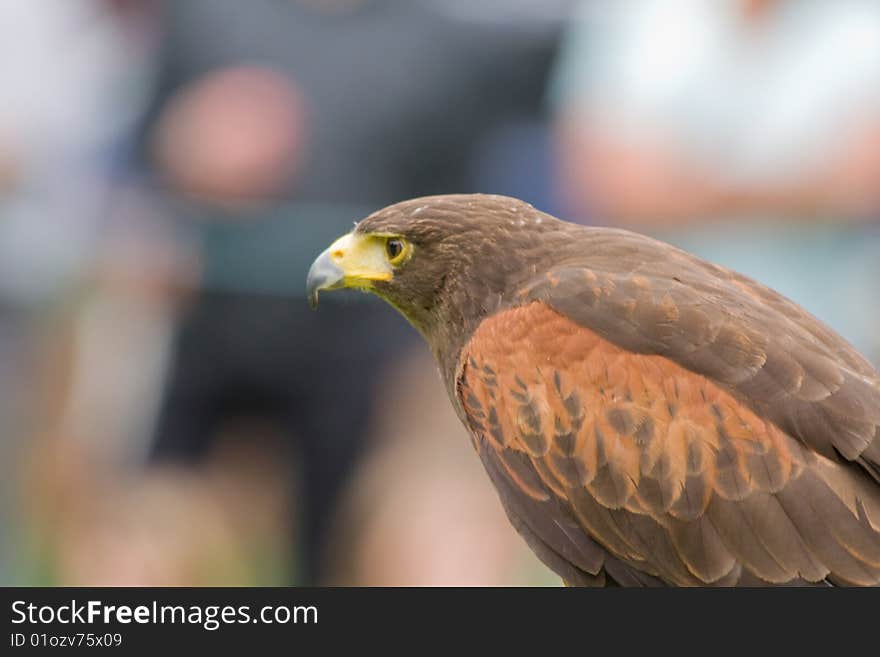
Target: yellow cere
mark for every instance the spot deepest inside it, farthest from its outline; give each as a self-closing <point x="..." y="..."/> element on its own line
<point x="364" y="258"/>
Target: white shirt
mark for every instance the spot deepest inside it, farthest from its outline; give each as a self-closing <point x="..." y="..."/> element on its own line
<point x="746" y="101"/>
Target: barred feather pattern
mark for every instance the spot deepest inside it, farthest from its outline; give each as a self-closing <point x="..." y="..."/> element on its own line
<point x="631" y="467"/>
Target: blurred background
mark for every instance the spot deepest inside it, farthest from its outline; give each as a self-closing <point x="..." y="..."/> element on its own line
<point x="171" y="412"/>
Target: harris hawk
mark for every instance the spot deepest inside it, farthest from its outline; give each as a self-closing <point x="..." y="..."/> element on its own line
<point x="647" y="417"/>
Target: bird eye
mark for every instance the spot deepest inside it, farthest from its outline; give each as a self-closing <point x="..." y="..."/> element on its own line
<point x="394" y="250"/>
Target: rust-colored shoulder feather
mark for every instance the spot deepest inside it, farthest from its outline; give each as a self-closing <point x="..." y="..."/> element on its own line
<point x="649" y="446"/>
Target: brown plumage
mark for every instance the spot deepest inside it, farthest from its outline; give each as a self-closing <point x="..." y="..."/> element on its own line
<point x="647" y="418"/>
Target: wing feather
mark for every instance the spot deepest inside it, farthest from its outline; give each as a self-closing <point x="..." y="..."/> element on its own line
<point x="780" y="361"/>
<point x="631" y="462"/>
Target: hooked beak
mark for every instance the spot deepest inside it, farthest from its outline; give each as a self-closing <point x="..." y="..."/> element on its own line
<point x="352" y="261"/>
<point x="324" y="274"/>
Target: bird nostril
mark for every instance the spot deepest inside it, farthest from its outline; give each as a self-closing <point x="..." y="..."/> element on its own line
<point x="337" y="255"/>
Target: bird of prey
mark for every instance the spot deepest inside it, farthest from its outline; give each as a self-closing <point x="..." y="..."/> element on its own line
<point x="647" y="418"/>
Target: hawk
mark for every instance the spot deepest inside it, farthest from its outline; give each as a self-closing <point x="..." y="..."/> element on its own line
<point x="648" y="418"/>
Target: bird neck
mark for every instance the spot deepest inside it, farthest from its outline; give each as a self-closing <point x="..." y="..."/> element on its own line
<point x="452" y="322"/>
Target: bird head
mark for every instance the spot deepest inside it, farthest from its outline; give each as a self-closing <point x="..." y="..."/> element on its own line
<point x="443" y="261"/>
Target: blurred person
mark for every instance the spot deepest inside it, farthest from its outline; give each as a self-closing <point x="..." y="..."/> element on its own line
<point x="747" y="131"/>
<point x="411" y="66"/>
<point x="65" y="106"/>
<point x="274" y="126"/>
